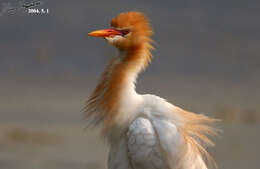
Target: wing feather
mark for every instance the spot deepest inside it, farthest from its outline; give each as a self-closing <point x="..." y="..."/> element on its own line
<point x="147" y="144"/>
<point x="158" y="144"/>
<point x="170" y="140"/>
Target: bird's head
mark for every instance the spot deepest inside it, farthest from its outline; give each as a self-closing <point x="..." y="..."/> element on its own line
<point x="128" y="30"/>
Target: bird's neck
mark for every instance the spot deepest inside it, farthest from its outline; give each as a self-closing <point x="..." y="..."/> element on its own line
<point x="115" y="93"/>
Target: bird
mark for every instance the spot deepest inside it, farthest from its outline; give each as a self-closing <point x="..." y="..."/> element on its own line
<point x="143" y="131"/>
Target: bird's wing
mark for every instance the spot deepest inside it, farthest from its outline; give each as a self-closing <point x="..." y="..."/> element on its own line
<point x="152" y="143"/>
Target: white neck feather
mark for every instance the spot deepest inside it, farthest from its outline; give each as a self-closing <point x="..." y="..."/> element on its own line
<point x="128" y="95"/>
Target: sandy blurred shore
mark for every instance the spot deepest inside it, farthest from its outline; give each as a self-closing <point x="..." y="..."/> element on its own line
<point x="70" y="146"/>
<point x="50" y="147"/>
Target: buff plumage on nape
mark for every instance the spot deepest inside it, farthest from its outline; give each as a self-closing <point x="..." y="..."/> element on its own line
<point x="144" y="131"/>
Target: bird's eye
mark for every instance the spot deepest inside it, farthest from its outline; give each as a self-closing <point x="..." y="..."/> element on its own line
<point x="124" y="31"/>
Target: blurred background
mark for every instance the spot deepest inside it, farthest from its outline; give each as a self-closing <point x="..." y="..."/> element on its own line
<point x="206" y="60"/>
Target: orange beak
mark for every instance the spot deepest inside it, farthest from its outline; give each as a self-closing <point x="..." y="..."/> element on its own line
<point x="104" y="33"/>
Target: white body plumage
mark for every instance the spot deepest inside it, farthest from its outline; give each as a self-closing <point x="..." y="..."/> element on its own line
<point x="150" y="138"/>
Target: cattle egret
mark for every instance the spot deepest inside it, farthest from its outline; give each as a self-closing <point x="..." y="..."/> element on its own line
<point x="143" y="131"/>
